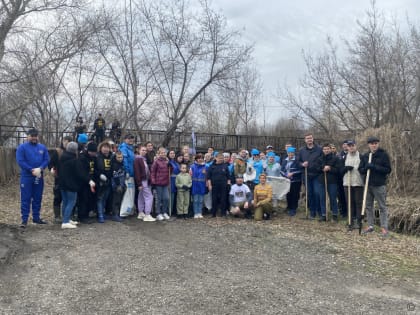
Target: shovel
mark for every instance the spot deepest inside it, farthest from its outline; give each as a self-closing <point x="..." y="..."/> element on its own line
<point x="349" y="198"/>
<point x="365" y="190"/>
<point x="327" y="199"/>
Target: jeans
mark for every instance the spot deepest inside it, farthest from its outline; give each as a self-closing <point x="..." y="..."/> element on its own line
<point x="69" y="200"/>
<point x="103" y="195"/>
<point x="332" y="194"/>
<point x="198" y="201"/>
<point x="162" y="200"/>
<point x="313" y="196"/>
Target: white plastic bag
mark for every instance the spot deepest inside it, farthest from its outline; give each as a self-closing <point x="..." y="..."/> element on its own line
<point x="281" y="186"/>
<point x="127" y="204"/>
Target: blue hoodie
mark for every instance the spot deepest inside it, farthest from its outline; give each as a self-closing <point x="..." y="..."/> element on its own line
<point x="30" y="156"/>
<point x="128" y="153"/>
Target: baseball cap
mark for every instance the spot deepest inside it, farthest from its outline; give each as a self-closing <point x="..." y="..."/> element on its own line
<point x="32" y="132"/>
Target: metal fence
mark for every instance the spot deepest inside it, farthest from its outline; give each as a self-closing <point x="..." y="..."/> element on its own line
<point x="12" y="136"/>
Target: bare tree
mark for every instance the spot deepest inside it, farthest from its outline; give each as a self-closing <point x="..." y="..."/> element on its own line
<point x="187" y="52"/>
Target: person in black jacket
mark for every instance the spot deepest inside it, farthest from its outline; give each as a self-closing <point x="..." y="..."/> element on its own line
<point x="104" y="179"/>
<point x="72" y="176"/>
<point x="86" y="195"/>
<point x="328" y="167"/>
<point x="218" y="179"/>
<point x="379" y="167"/>
<point x="118" y="185"/>
<point x="53" y="167"/>
<point x="307" y="158"/>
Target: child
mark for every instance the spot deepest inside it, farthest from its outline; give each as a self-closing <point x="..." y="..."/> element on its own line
<point x="198" y="172"/>
<point x="118" y="185"/>
<point x="105" y="175"/>
<point x="142" y="178"/>
<point x="160" y="179"/>
<point x="183" y="184"/>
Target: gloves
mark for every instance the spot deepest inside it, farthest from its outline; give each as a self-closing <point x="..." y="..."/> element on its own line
<point x="348" y="168"/>
<point x="36" y="172"/>
<point x="102" y="177"/>
<point x="52" y="171"/>
<point x="127" y="176"/>
<point x="185" y="187"/>
<point x="370" y="166"/>
<point x="92" y="186"/>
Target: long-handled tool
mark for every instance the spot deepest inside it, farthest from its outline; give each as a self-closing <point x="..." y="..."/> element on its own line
<point x="349" y="198"/>
<point x="306" y="192"/>
<point x="365" y="190"/>
<point x="327" y="203"/>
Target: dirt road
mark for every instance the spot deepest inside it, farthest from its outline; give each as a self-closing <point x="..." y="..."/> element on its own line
<point x="213" y="266"/>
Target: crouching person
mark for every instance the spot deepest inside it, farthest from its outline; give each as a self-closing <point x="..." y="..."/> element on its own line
<point x="240" y="199"/>
<point x="263" y="196"/>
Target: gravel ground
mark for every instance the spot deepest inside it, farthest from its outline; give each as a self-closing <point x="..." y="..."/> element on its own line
<point x="210" y="266"/>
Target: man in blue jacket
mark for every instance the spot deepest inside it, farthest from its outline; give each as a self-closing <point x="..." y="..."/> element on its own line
<point x="32" y="158"/>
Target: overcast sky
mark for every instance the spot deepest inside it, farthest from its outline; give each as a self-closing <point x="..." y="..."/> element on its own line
<point x="281" y="29"/>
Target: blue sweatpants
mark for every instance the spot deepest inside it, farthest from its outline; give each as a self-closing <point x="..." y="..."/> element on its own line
<point x="31" y="189"/>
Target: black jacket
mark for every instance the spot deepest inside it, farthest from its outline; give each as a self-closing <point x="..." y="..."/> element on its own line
<point x="72" y="174"/>
<point x="334" y="162"/>
<point x="382" y="167"/>
<point x="311" y="155"/>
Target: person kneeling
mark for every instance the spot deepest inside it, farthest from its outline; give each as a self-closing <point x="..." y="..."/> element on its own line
<point x="240" y="198"/>
<point x="263" y="195"/>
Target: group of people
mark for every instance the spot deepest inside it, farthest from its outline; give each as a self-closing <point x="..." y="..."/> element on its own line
<point x="99" y="129"/>
<point x="91" y="177"/>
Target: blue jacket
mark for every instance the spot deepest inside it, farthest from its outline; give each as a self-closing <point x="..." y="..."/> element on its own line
<point x="259" y="168"/>
<point x="294" y="167"/>
<point x="199" y="175"/>
<point x="175" y="171"/>
<point x="128" y="153"/>
<point x="30" y="156"/>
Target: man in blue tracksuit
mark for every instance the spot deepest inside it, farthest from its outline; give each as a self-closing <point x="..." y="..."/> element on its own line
<point x="127" y="150"/>
<point x="32" y="158"/>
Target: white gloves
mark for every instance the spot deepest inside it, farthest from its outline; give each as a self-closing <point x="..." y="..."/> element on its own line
<point x="127" y="176"/>
<point x="36" y="172"/>
<point x="102" y="177"/>
<point x="92" y="183"/>
<point x="52" y="171"/>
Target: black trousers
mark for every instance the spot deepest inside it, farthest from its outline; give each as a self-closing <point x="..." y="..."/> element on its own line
<point x="293" y="195"/>
<point x="86" y="202"/>
<point x="219" y="198"/>
<point x="116" y="201"/>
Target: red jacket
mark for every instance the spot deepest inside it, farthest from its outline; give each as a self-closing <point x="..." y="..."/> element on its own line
<point x="160" y="172"/>
<point x="140" y="172"/>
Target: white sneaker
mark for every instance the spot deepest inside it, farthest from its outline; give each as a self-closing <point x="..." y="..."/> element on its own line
<point x="166" y="216"/>
<point x="74" y="222"/>
<point x="141" y="216"/>
<point x="160" y="217"/>
<point x="68" y="226"/>
<point x="196" y="216"/>
<point x="200" y="216"/>
<point x="149" y="218"/>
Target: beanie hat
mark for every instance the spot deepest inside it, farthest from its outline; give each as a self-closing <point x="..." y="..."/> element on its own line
<point x="92" y="147"/>
<point x="255" y="152"/>
<point x="291" y="150"/>
<point x="82" y="138"/>
<point x="270" y="154"/>
<point x="72" y="147"/>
